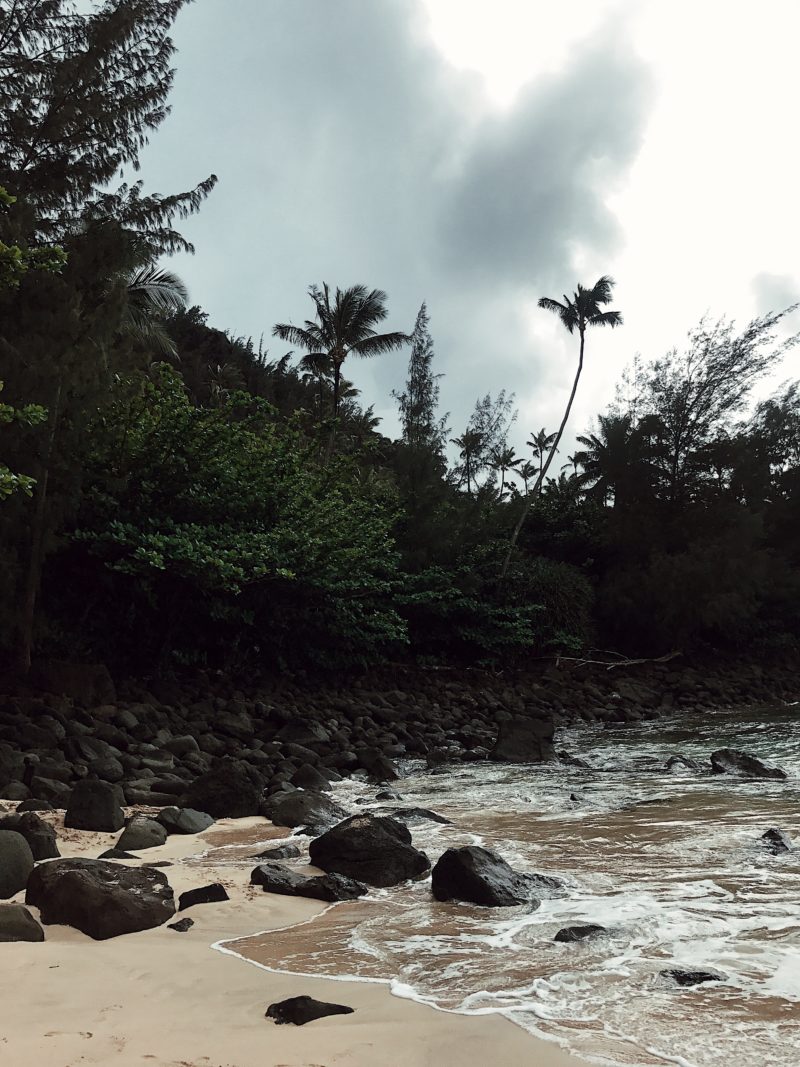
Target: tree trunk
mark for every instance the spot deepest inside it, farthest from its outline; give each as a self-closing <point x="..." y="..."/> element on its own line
<point x="537" y="488"/>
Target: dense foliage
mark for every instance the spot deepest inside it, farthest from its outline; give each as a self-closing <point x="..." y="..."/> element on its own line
<point x="177" y="497"/>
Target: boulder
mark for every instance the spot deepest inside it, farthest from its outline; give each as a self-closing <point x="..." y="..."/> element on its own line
<point x="302" y="807"/>
<point x="690" y="978"/>
<point x="40" y="835"/>
<point x="57" y="793"/>
<point x="302" y="1010"/>
<point x="182" y="925"/>
<point x="477" y="875"/>
<point x="579" y="933"/>
<point x="34" y="805"/>
<point x="308" y="777"/>
<point x="524" y="739"/>
<point x="184" y="820"/>
<point x="204" y="894"/>
<point x="377" y="764"/>
<point x="99" y="898"/>
<point x="280" y="852"/>
<point x="94" y="805"/>
<point x="17" y="924"/>
<point x="731" y="761"/>
<point x="419" y="815"/>
<point x="116" y="854"/>
<point x="679" y="764"/>
<point x="16" y="863"/>
<point x="142" y="833"/>
<point x="370" y="848"/>
<point x="275" y="878"/>
<point x="774" y="840"/>
<point x="231" y="789"/>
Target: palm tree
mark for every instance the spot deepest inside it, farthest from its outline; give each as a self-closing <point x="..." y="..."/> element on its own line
<point x="572" y="461"/>
<point x="585" y="309"/>
<point x="468" y="445"/>
<point x="503" y="460"/>
<point x="343" y="325"/>
<point x="540" y="443"/>
<point x="152" y="296"/>
<point x="526" y="472"/>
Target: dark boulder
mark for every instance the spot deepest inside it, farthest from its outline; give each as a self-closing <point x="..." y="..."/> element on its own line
<point x="101" y="899"/>
<point x="184" y="820"/>
<point x="308" y="777"/>
<point x="17" y="924"/>
<point x="372" y="849"/>
<point x="302" y="807"/>
<point x="275" y="878"/>
<point x="231" y="789"/>
<point x="302" y="1010"/>
<point x="679" y="764"/>
<point x="57" y="793"/>
<point x="377" y="764"/>
<point x="731" y="761"/>
<point x="34" y="805"/>
<point x="94" y="806"/>
<point x="116" y="854"/>
<point x="182" y="925"/>
<point x="774" y="840"/>
<point x="476" y="875"/>
<point x="579" y="933"/>
<point x="204" y="894"/>
<point x="40" y="835"/>
<point x="16" y="863"/>
<point x="141" y="833"/>
<point x="419" y="815"/>
<point x="280" y="852"/>
<point x="524" y="739"/>
<point x="690" y="978"/>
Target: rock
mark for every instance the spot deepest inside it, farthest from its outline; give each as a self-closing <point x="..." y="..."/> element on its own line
<point x="17" y="924"/>
<point x="387" y="794"/>
<point x="370" y="848"/>
<point x="683" y="763"/>
<point x="275" y="878"/>
<point x="302" y="1010"/>
<point x="116" y="854"/>
<point x="524" y="739"/>
<point x="308" y="777"/>
<point x="34" y="805"/>
<point x="302" y="807"/>
<point x="16" y="791"/>
<point x="184" y="820"/>
<point x="16" y="863"/>
<point x="774" y="840"/>
<point x="377" y="765"/>
<point x="230" y="790"/>
<point x="58" y="793"/>
<point x="731" y="761"/>
<point x="281" y="852"/>
<point x="181" y="746"/>
<point x="418" y="814"/>
<point x="94" y="806"/>
<point x="40" y="835"/>
<point x="476" y="875"/>
<point x="107" y="769"/>
<point x="142" y="833"/>
<point x="89" y="684"/>
<point x="182" y="925"/>
<point x="690" y="978"/>
<point x="101" y="899"/>
<point x="206" y="894"/>
<point x="579" y="933"/>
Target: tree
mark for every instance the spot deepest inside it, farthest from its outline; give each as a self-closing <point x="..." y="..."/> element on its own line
<point x="526" y="471"/>
<point x="503" y="460"/>
<point x="540" y="443"/>
<point x="579" y="313"/>
<point x="470" y="448"/>
<point x="420" y="398"/>
<point x="343" y="325"/>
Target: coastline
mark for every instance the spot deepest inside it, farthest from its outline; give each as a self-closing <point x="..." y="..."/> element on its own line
<point x="167" y="999"/>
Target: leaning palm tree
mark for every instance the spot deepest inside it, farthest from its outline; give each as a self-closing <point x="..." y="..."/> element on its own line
<point x="344" y="324"/>
<point x="585" y="309"/>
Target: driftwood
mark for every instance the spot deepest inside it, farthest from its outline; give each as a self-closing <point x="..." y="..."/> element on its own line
<point x="621" y="661"/>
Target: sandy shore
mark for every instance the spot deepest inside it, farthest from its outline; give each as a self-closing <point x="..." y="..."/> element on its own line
<point x="164" y="999"/>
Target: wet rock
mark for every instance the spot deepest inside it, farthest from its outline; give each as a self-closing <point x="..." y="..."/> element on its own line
<point x="17" y="924"/>
<point x="678" y="763"/>
<point x="524" y="739"/>
<point x="231" y="789"/>
<point x="101" y="899"/>
<point x="116" y="854"/>
<point x="690" y="978"/>
<point x="776" y="841"/>
<point x="280" y="852"/>
<point x="579" y="933"/>
<point x="377" y="765"/>
<point x="206" y="894"/>
<point x="275" y="878"/>
<point x="16" y="863"/>
<point x="387" y="794"/>
<point x="370" y="848"/>
<point x="732" y="761"/>
<point x="302" y="807"/>
<point x="94" y="805"/>
<point x="419" y="815"/>
<point x="40" y="835"/>
<point x="476" y="875"/>
<point x="141" y="833"/>
<point x="302" y="1010"/>
<point x="184" y="820"/>
<point x="308" y="777"/>
<point x="182" y="925"/>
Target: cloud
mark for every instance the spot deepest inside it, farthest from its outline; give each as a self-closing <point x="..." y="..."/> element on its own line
<point x="349" y="151"/>
<point x="774" y="292"/>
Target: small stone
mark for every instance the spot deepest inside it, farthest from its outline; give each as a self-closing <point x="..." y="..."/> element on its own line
<point x="206" y="894"/>
<point x="302" y="1010"/>
<point x="182" y="925"/>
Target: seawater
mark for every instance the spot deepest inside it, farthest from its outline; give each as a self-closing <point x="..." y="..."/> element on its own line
<point x="669" y="863"/>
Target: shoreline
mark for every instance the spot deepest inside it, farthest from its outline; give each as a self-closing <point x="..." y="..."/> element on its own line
<point x="167" y="999"/>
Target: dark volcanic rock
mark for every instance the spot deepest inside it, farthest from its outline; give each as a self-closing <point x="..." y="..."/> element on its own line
<point x="231" y="789"/>
<point x="524" y="739"/>
<point x="684" y="763"/>
<point x="476" y="875"/>
<point x="34" y="805"/>
<point x="372" y="849"/>
<point x="116" y="854"/>
<point x="184" y="820"/>
<point x="16" y="863"/>
<point x="280" y="852"/>
<point x="205" y="894"/>
<point x="94" y="806"/>
<point x="182" y="925"/>
<point x="308" y="777"/>
<point x="142" y="833"/>
<point x="689" y="978"/>
<point x="302" y="807"/>
<point x="302" y="1010"/>
<point x="40" y="835"/>
<point x="579" y="933"/>
<point x="377" y="765"/>
<point x="418" y="814"/>
<point x="731" y="761"/>
<point x="101" y="899"/>
<point x="275" y="878"/>
<point x="17" y="924"/>
<point x="776" y="841"/>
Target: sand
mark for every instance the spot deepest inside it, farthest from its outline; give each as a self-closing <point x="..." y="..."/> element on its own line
<point x="164" y="999"/>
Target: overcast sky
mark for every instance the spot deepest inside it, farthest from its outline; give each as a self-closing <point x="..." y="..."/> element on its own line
<point x="478" y="154"/>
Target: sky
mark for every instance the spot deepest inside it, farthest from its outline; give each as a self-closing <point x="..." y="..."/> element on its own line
<point x="479" y="154"/>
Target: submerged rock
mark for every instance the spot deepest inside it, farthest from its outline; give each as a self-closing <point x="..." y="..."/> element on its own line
<point x="690" y="978"/>
<point x="370" y="848"/>
<point x="679" y="763"/>
<point x="731" y="761"/>
<point x="776" y="841"/>
<point x="476" y="875"/>
<point x="302" y="1010"/>
<point x="417" y="814"/>
<point x="579" y="933"/>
